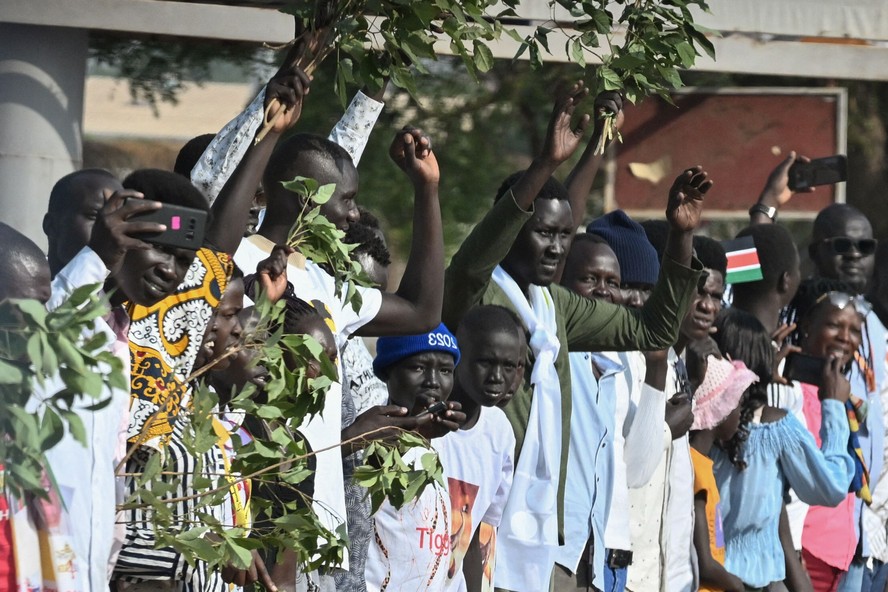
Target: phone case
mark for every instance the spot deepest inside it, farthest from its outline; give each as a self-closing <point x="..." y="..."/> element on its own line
<point x="804" y="368"/>
<point x="822" y="171"/>
<point x="186" y="227"/>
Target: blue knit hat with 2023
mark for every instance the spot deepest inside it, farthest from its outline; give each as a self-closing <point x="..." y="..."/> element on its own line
<point x="391" y="350"/>
<point x="638" y="259"/>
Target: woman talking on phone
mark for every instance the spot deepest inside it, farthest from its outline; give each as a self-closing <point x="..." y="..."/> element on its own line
<point x="830" y="325"/>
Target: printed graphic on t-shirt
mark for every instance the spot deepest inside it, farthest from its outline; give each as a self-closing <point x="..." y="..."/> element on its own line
<point x="410" y="551"/>
<point x="462" y="500"/>
<point x="487" y="542"/>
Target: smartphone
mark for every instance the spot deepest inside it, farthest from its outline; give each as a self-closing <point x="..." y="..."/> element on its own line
<point x="823" y="171"/>
<point x="436" y="408"/>
<point x="804" y="368"/>
<point x="186" y="227"/>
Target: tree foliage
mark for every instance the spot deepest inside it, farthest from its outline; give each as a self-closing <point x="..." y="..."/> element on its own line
<point x="157" y="69"/>
<point x="376" y="40"/>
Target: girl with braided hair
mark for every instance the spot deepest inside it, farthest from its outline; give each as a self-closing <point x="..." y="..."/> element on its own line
<point x="771" y="449"/>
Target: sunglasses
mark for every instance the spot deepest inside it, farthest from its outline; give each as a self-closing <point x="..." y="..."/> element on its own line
<point x="840" y="300"/>
<point x="842" y="245"/>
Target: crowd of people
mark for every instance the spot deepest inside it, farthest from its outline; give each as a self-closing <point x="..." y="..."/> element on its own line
<point x="609" y="413"/>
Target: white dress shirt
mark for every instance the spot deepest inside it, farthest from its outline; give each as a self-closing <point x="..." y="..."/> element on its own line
<point x="86" y="475"/>
<point x="640" y="412"/>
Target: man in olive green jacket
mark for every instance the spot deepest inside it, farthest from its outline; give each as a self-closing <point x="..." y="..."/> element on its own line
<point x="527" y="233"/>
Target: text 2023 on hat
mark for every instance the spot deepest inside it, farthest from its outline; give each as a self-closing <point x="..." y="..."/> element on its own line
<point x="391" y="350"/>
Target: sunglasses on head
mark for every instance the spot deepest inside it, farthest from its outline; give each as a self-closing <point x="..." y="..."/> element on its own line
<point x="842" y="245"/>
<point x="840" y="300"/>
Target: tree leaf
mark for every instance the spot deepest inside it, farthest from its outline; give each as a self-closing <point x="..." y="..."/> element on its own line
<point x="51" y="429"/>
<point x="35" y="352"/>
<point x="686" y="53"/>
<point x="610" y="79"/>
<point x="483" y="57"/>
<point x="576" y="52"/>
<point x="10" y="373"/>
<point x="302" y="186"/>
<point x="75" y="426"/>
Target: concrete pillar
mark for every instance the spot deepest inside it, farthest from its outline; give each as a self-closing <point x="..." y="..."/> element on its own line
<point x="42" y="73"/>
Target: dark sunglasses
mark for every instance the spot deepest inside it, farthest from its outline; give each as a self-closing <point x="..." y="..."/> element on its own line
<point x="842" y="245"/>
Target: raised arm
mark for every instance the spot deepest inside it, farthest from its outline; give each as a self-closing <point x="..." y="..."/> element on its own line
<point x="352" y="131"/>
<point x="416" y="306"/>
<point x="684" y="211"/>
<point x="776" y="192"/>
<point x="229" y="147"/>
<point x="232" y="208"/>
<point x="489" y="242"/>
<point x="579" y="181"/>
<point x="654" y="326"/>
<point x="820" y="476"/>
<point x="562" y="140"/>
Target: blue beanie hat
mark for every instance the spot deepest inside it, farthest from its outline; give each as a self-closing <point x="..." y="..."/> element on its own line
<point x="391" y="350"/>
<point x="638" y="259"/>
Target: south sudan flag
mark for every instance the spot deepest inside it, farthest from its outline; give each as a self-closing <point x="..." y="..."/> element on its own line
<point x="743" y="261"/>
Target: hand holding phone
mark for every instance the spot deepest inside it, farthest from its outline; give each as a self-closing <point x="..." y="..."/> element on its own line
<point x="833" y="384"/>
<point x="822" y="171"/>
<point x="436" y="408"/>
<point x="118" y="229"/>
<point x="185" y="227"/>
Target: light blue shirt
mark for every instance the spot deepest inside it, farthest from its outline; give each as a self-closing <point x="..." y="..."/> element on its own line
<point x="778" y="453"/>
<point x="590" y="463"/>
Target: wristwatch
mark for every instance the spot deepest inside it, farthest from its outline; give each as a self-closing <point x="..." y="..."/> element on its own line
<point x="769" y="211"/>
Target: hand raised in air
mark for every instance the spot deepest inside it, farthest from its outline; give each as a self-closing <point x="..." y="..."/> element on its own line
<point x="685" y="207"/>
<point x="411" y="150"/>
<point x="562" y="138"/>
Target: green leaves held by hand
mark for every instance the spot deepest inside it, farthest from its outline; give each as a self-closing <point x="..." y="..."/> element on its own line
<point x="309" y="188"/>
<point x="321" y="242"/>
<point x="386" y="475"/>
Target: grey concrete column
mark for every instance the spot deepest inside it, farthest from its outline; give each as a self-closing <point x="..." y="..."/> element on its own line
<point x="42" y="73"/>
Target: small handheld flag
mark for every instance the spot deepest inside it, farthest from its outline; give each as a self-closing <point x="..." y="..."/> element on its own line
<point x="743" y="261"/>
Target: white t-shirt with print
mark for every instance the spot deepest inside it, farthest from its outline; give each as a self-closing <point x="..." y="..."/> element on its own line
<point x="316" y="286"/>
<point x="410" y="549"/>
<point x="478" y="464"/>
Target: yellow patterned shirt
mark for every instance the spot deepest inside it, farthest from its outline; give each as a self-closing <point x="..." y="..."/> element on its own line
<point x="164" y="340"/>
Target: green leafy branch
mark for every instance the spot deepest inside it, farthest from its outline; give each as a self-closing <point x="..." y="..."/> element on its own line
<point x="53" y="366"/>
<point x="660" y="38"/>
<point x="317" y="239"/>
<point x="275" y="462"/>
<point x="386" y="475"/>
